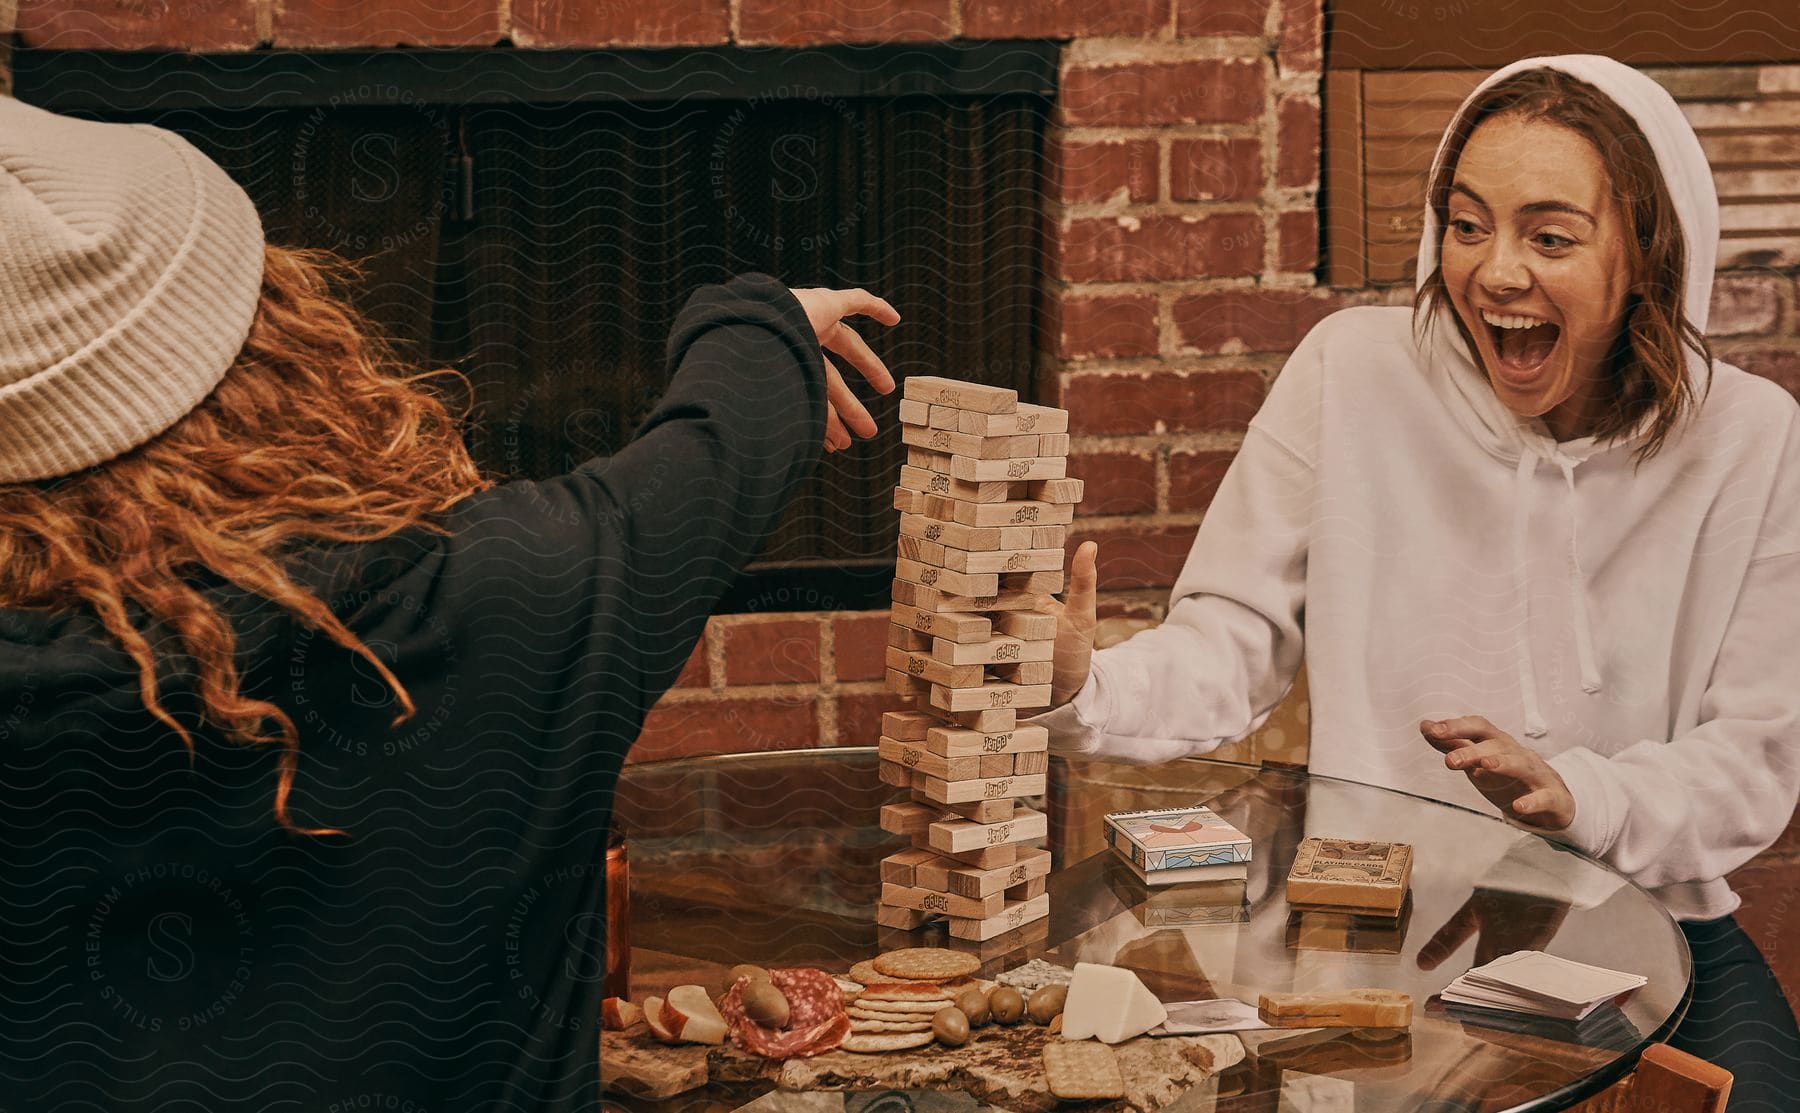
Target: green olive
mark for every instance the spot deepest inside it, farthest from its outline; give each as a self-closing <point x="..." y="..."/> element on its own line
<point x="765" y="1004"/>
<point x="950" y="1026"/>
<point x="974" y="1006"/>
<point x="745" y="970"/>
<point x="1006" y="1004"/>
<point x="1046" y="1002"/>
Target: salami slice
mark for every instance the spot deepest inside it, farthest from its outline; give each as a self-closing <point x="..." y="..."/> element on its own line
<point x="816" y="1023"/>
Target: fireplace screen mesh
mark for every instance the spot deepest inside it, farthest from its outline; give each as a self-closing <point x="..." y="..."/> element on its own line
<point x="545" y="249"/>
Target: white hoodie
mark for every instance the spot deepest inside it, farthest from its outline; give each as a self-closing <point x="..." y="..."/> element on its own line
<point x="1433" y="555"/>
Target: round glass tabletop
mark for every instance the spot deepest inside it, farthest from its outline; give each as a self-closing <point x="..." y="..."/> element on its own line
<point x="774" y="859"/>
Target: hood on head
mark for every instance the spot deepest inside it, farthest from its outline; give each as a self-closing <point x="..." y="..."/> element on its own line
<point x="1682" y="163"/>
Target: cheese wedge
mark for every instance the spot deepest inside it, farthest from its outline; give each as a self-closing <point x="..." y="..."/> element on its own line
<point x="1110" y="1004"/>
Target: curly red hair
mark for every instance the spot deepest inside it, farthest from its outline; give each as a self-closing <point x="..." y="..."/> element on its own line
<point x="317" y="432"/>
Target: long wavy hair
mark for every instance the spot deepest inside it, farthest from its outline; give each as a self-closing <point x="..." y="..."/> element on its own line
<point x="1646" y="367"/>
<point x="318" y="432"/>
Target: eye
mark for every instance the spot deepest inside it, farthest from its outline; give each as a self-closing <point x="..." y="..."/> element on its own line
<point x="1550" y="241"/>
<point x="1464" y="228"/>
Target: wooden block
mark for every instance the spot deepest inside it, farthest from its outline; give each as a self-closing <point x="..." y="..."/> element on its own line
<point x="981" y="811"/>
<point x="907" y="726"/>
<point x="982" y="858"/>
<point x="1053" y="444"/>
<point x="934" y="872"/>
<point x="992" y="694"/>
<point x="1026" y="890"/>
<point x="903" y="685"/>
<point x="940" y="391"/>
<point x="1026" y="672"/>
<point x="1027" y="418"/>
<point x="968" y="446"/>
<point x="995" y="513"/>
<point x="1000" y="560"/>
<point x="1035" y="762"/>
<point x="992" y="651"/>
<point x="996" y="491"/>
<point x="1008" y="470"/>
<point x="1010" y="917"/>
<point x="991" y="788"/>
<point x="974" y="538"/>
<point x="1343" y="1008"/>
<point x="928" y="482"/>
<point x="991" y="720"/>
<point x="933" y="900"/>
<point x="1031" y="627"/>
<point x="930" y="668"/>
<point x="948" y="627"/>
<point x="989" y="765"/>
<point x="893" y="773"/>
<point x="960" y="741"/>
<point x="917" y="641"/>
<point x="956" y="583"/>
<point x="905" y="919"/>
<point x="911" y="819"/>
<point x="1059" y="491"/>
<point x="1038" y="583"/>
<point x="943" y="417"/>
<point x="918" y="549"/>
<point x="909" y="502"/>
<point x="1033" y="863"/>
<point x="914" y="412"/>
<point x="941" y="601"/>
<point x="913" y="756"/>
<point x="956" y="836"/>
<point x="927" y="460"/>
<point x="898" y="867"/>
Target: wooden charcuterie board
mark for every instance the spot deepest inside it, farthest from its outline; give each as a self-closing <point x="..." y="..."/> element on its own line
<point x="1000" y="1066"/>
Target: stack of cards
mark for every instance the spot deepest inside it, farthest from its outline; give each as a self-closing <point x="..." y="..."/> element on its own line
<point x="1541" y="985"/>
<point x="1169" y="846"/>
<point x="984" y="512"/>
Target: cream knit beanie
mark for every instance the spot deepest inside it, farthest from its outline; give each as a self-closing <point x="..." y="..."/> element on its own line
<point x="130" y="268"/>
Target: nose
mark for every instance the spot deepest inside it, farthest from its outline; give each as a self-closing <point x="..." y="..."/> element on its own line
<point x="1505" y="269"/>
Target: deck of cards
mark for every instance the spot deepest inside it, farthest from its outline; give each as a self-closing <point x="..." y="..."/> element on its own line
<point x="1541" y="985"/>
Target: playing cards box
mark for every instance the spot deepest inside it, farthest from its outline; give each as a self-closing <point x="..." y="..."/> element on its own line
<point x="1368" y="878"/>
<point x="1175" y="839"/>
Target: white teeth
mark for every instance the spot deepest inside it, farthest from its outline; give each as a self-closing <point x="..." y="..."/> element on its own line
<point x="1499" y="321"/>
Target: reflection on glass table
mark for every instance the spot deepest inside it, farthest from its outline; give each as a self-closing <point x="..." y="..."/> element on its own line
<point x="773" y="859"/>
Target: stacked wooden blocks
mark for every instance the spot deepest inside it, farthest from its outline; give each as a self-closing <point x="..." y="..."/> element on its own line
<point x="984" y="513"/>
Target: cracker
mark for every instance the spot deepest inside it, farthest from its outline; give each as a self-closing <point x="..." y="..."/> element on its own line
<point x="892" y="1018"/>
<point x="875" y="1042"/>
<point x="912" y="963"/>
<point x="1082" y="1069"/>
<point x="872" y="978"/>
<point x="913" y="991"/>
<point x="858" y="1025"/>
<point x="901" y="1006"/>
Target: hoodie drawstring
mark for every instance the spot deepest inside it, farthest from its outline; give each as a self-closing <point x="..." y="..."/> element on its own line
<point x="1584" y="637"/>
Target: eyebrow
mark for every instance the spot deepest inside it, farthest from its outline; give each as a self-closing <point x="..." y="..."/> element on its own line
<point x="1533" y="207"/>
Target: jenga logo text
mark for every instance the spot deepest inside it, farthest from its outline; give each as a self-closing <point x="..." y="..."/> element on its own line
<point x="922" y="620"/>
<point x="910" y="756"/>
<point x="935" y="902"/>
<point x="1000" y="699"/>
<point x="1016" y="562"/>
<point x="915" y="665"/>
<point x="1018" y="469"/>
<point x="1025" y="514"/>
<point x="999" y="833"/>
<point x="929" y="576"/>
<point x="996" y="744"/>
<point x="940" y="439"/>
<point x="934" y="531"/>
<point x="949" y="398"/>
<point x="1006" y="651"/>
<point x="1017" y="875"/>
<point x="1027" y="422"/>
<point x="938" y="484"/>
<point x="993" y="790"/>
<point x="1015" y="917"/>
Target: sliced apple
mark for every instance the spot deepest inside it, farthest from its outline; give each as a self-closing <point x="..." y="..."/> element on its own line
<point x="692" y="1016"/>
<point x="618" y="1014"/>
<point x="653" y="1012"/>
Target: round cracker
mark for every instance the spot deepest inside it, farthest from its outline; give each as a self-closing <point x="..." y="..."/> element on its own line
<point x="890" y="1026"/>
<point x="865" y="1014"/>
<point x="870" y="1043"/>
<point x="927" y="962"/>
<point x="901" y="1006"/>
<point x="913" y="991"/>
<point x="872" y="978"/>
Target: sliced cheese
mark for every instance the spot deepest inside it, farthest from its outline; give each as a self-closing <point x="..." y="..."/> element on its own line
<point x="1110" y="1004"/>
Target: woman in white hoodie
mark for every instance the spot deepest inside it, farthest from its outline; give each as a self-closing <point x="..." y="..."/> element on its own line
<point x="1540" y="552"/>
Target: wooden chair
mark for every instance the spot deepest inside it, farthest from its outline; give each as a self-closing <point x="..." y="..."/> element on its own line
<point x="1665" y="1081"/>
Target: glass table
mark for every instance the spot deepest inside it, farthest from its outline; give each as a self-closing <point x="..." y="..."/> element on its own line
<point x="773" y="859"/>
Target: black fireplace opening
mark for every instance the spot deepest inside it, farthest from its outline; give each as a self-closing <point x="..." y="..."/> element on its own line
<point x="536" y="220"/>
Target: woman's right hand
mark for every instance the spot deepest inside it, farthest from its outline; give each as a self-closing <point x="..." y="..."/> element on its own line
<point x="1075" y="621"/>
<point x="826" y="309"/>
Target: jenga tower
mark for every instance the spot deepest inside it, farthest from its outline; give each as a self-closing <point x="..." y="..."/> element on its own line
<point x="984" y="513"/>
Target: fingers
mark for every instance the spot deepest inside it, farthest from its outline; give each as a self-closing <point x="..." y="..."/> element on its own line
<point x="845" y="407"/>
<point x="845" y="342"/>
<point x="1533" y="803"/>
<point x="1083" y="580"/>
<point x="1450" y="734"/>
<point x="861" y="303"/>
<point x="836" y="436"/>
<point x="1472" y="756"/>
<point x="1449" y="937"/>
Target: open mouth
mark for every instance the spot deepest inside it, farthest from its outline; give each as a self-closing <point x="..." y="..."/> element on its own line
<point x="1522" y="345"/>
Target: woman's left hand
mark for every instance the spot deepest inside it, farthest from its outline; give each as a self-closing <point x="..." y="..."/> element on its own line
<point x="1515" y="778"/>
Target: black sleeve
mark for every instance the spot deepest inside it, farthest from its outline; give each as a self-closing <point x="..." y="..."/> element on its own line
<point x="595" y="586"/>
